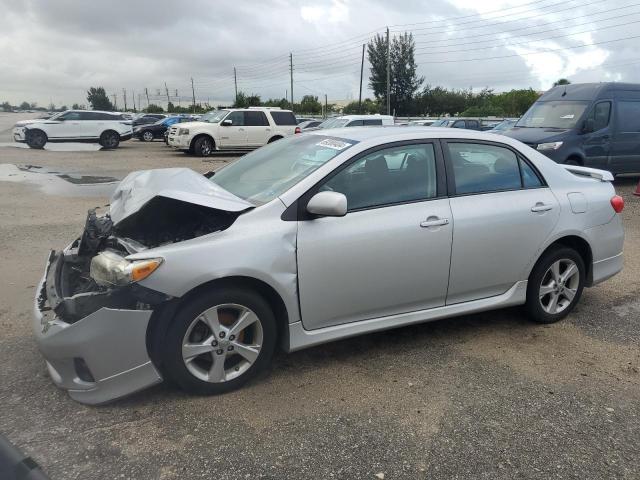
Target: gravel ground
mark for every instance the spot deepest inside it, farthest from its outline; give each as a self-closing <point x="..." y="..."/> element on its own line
<point x="481" y="396"/>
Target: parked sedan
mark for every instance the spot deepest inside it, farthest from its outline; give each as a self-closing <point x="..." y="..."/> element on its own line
<point x="148" y="118"/>
<point x="311" y="239"/>
<point x="309" y="124"/>
<point x="148" y="133"/>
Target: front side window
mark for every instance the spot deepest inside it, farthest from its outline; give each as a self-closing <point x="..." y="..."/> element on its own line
<point x="459" y="124"/>
<point x="600" y="115"/>
<point x="628" y="116"/>
<point x="479" y="168"/>
<point x="355" y="123"/>
<point x="394" y="175"/>
<point x="268" y="172"/>
<point x="71" y="116"/>
<point x="372" y="122"/>
<point x="237" y="119"/>
<point x="255" y="119"/>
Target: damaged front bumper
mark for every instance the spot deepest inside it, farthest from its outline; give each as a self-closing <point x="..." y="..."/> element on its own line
<point x="94" y="343"/>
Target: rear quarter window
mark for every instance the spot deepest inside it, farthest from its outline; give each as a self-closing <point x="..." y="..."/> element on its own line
<point x="283" y="118"/>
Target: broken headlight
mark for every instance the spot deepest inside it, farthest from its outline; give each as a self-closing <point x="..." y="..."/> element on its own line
<point x="110" y="269"/>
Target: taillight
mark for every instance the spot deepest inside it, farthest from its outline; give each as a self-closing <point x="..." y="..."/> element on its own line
<point x="297" y="130"/>
<point x="617" y="202"/>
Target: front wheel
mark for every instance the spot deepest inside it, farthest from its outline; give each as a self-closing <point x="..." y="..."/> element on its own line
<point x="36" y="139"/>
<point x="555" y="285"/>
<point x="203" y="146"/>
<point x="219" y="340"/>
<point x="110" y="139"/>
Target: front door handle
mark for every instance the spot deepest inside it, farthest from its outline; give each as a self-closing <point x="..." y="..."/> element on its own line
<point x="541" y="207"/>
<point x="434" y="222"/>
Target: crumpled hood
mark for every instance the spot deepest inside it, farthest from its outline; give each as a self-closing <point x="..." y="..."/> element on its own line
<point x="183" y="184"/>
<point x="535" y="135"/>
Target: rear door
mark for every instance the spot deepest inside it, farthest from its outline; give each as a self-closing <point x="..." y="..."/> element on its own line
<point x="257" y="128"/>
<point x="502" y="214"/>
<point x="625" y="146"/>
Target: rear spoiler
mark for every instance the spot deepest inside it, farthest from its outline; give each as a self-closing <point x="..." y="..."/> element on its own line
<point x="602" y="175"/>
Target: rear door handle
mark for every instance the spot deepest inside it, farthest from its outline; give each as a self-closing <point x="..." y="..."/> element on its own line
<point x="434" y="222"/>
<point x="541" y="207"/>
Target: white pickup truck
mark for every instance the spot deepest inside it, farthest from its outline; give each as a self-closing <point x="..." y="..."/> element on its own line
<point x="233" y="129"/>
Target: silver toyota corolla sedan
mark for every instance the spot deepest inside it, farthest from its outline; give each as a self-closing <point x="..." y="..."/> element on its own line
<point x="314" y="238"/>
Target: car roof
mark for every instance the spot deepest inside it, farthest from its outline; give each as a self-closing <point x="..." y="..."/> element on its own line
<point x="385" y="134"/>
<point x="359" y="117"/>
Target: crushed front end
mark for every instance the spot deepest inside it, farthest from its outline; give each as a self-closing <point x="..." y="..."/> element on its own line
<point x="93" y="336"/>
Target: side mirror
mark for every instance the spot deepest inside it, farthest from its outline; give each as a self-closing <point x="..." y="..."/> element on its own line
<point x="589" y="125"/>
<point x="328" y="204"/>
<point x="227" y="123"/>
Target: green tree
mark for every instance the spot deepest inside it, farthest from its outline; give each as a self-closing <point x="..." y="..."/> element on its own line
<point x="63" y="108"/>
<point x="76" y="106"/>
<point x="25" y="106"/>
<point x="243" y="100"/>
<point x="97" y="98"/>
<point x="561" y="81"/>
<point x="310" y="104"/>
<point x="368" y="106"/>
<point x="152" y="108"/>
<point x="6" y="107"/>
<point x="404" y="81"/>
<point x="282" y="103"/>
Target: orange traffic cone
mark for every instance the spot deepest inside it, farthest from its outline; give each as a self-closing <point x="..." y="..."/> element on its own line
<point x="637" y="192"/>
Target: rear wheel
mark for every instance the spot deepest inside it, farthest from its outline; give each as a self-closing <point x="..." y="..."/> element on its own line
<point x="110" y="139"/>
<point x="219" y="341"/>
<point x="147" y="136"/>
<point x="555" y="285"/>
<point x="36" y="139"/>
<point x="273" y="139"/>
<point x="203" y="146"/>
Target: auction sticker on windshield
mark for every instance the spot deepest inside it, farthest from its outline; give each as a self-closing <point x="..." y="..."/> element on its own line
<point x="335" y="144"/>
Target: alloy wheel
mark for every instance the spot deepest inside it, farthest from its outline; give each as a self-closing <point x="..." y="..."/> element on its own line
<point x="222" y="343"/>
<point x="559" y="286"/>
<point x="147" y="136"/>
<point x="206" y="147"/>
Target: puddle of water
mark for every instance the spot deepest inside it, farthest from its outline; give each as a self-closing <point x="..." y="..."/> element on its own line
<point x="58" y="183"/>
<point x="59" y="147"/>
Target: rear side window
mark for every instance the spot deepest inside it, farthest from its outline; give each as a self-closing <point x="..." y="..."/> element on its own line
<point x="628" y="116"/>
<point x="530" y="178"/>
<point x="459" y="124"/>
<point x="372" y="122"/>
<point x="283" y="118"/>
<point x="479" y="168"/>
<point x="255" y="119"/>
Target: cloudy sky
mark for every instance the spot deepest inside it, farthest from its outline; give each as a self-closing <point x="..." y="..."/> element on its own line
<point x="53" y="50"/>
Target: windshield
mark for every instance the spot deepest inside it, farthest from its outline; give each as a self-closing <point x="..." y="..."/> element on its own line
<point x="214" y="117"/>
<point x="443" y="122"/>
<point x="334" y="123"/>
<point x="553" y="114"/>
<point x="269" y="171"/>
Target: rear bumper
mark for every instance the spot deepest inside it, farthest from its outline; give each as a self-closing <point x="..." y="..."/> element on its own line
<point x="98" y="358"/>
<point x="607" y="242"/>
<point x="607" y="268"/>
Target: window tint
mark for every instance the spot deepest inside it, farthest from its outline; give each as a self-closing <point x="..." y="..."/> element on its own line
<point x="89" y="116"/>
<point x="372" y="122"/>
<point x="529" y="177"/>
<point x="354" y="123"/>
<point x="255" y="119"/>
<point x="600" y="115"/>
<point x="628" y="116"/>
<point x="283" y="118"/>
<point x="399" y="174"/>
<point x="72" y="116"/>
<point x="481" y="168"/>
<point x="237" y="118"/>
<point x="459" y="124"/>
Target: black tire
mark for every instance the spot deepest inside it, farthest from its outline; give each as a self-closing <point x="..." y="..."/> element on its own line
<point x="110" y="139"/>
<point x="172" y="358"/>
<point x="203" y="146"/>
<point x="273" y="139"/>
<point x="36" y="139"/>
<point x="573" y="161"/>
<point x="540" y="273"/>
<point x="147" y="136"/>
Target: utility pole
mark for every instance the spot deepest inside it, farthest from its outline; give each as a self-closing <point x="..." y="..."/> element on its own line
<point x="146" y="92"/>
<point x="235" y="84"/>
<point x="167" y="90"/>
<point x="133" y="99"/>
<point x="388" y="74"/>
<point x="326" y="113"/>
<point x="140" y="101"/>
<point x="361" y="72"/>
<point x="291" y="73"/>
<point x="178" y="97"/>
<point x="124" y="95"/>
<point x="193" y="93"/>
<point x="114" y="101"/>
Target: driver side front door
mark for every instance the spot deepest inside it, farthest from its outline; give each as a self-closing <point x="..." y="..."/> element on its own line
<point x="234" y="135"/>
